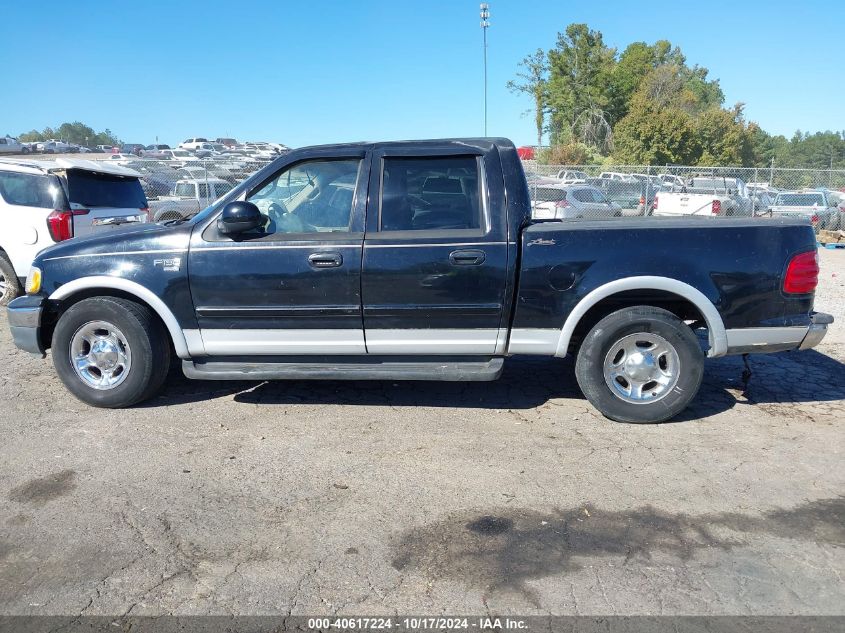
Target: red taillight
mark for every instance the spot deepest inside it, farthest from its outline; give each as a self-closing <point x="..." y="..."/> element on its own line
<point x="814" y="219"/>
<point x="654" y="203"/>
<point x="642" y="199"/>
<point x="716" y="207"/>
<point x="802" y="274"/>
<point x="60" y="223"/>
<point x="562" y="204"/>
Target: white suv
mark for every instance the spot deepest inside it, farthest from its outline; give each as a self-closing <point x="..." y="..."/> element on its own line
<point x="193" y="143"/>
<point x="47" y="201"/>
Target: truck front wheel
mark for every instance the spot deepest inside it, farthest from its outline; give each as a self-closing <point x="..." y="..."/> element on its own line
<point x="640" y="364"/>
<point x="110" y="352"/>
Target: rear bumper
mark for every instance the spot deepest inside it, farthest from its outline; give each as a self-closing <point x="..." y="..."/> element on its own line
<point x="767" y="340"/>
<point x="817" y="331"/>
<point x="25" y="323"/>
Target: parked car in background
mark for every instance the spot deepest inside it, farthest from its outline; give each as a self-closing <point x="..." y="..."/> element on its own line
<point x="154" y="151"/>
<point x="671" y="179"/>
<point x="762" y="199"/>
<point x="705" y="196"/>
<point x="108" y="149"/>
<point x="43" y="202"/>
<point x="52" y="147"/>
<point x="122" y="157"/>
<point x="814" y="205"/>
<point x="10" y="145"/>
<point x="613" y="175"/>
<point x="132" y="148"/>
<point x="193" y="143"/>
<point x="228" y="142"/>
<point x="178" y="156"/>
<point x="571" y="202"/>
<point x="188" y="197"/>
<point x="634" y="198"/>
<point x="570" y="176"/>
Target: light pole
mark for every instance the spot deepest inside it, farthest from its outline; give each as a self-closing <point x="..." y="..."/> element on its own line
<point x="485" y="15"/>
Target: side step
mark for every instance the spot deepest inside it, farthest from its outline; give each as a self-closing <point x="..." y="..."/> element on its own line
<point x="356" y="368"/>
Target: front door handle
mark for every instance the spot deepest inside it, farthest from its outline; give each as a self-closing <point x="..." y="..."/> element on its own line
<point x="467" y="258"/>
<point x="325" y="260"/>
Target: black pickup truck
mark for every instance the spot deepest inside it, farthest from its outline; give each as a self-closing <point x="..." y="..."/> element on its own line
<point x="416" y="260"/>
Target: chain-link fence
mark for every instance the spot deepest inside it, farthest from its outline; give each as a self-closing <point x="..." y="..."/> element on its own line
<point x="573" y="192"/>
<point x="175" y="188"/>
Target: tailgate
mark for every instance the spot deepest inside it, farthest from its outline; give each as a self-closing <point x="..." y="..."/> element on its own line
<point x="105" y="218"/>
<point x="103" y="201"/>
<point x="683" y="204"/>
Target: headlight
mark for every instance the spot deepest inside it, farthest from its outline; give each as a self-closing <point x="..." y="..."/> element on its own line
<point x="33" y="280"/>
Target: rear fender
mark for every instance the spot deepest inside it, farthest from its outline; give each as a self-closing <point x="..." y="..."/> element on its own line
<point x="715" y="326"/>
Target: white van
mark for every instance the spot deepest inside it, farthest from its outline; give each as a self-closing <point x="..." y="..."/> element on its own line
<point x="45" y="202"/>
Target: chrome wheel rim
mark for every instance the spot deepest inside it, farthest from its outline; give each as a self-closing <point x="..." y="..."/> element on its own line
<point x="641" y="368"/>
<point x="100" y="355"/>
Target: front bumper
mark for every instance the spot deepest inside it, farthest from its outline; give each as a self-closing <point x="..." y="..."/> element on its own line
<point x="25" y="323"/>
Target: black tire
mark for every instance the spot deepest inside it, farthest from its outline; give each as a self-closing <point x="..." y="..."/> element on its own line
<point x="9" y="286"/>
<point x="145" y="336"/>
<point x="655" y="324"/>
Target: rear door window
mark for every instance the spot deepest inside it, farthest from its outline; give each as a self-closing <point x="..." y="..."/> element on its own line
<point x="104" y="190"/>
<point x="430" y="193"/>
<point x="32" y="190"/>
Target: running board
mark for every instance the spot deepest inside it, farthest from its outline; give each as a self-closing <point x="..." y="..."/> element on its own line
<point x="464" y="370"/>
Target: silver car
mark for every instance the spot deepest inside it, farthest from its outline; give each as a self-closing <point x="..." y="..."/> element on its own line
<point x="570" y="202"/>
<point x="814" y="205"/>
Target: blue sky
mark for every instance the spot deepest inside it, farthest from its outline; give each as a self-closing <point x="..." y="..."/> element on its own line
<point x="321" y="71"/>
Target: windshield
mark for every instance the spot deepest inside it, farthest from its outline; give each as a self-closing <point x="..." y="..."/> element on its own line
<point x="800" y="200"/>
<point x="104" y="190"/>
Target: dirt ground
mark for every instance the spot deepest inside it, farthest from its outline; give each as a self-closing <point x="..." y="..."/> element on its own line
<point x="512" y="497"/>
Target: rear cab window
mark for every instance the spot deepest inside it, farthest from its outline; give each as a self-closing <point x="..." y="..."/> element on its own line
<point x="94" y="190"/>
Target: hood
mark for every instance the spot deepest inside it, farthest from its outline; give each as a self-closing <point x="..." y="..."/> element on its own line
<point x="142" y="237"/>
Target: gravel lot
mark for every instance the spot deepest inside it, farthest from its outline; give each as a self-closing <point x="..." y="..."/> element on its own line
<point x="512" y="497"/>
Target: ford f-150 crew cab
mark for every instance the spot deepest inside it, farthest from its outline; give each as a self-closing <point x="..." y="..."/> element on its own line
<point x="416" y="260"/>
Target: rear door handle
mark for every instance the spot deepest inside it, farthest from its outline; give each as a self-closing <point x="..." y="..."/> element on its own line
<point x="325" y="260"/>
<point x="467" y="258"/>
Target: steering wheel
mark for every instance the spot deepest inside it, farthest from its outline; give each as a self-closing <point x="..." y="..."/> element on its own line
<point x="283" y="221"/>
<point x="275" y="211"/>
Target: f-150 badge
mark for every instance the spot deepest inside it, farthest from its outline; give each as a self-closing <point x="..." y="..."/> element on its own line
<point x="171" y="264"/>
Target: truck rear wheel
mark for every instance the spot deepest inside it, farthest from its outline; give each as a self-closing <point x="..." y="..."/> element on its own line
<point x="110" y="352"/>
<point x="9" y="286"/>
<point x="640" y="364"/>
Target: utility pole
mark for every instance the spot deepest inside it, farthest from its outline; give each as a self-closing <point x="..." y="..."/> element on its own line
<point x="485" y="22"/>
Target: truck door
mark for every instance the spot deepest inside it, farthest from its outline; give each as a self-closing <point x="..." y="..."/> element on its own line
<point x="293" y="286"/>
<point x="435" y="252"/>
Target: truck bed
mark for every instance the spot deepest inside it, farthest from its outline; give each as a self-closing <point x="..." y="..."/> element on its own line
<point x="737" y="264"/>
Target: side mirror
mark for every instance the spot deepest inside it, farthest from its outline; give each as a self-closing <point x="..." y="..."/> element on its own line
<point x="238" y="217"/>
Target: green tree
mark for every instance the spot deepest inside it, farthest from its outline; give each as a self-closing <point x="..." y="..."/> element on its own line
<point x="725" y="138"/>
<point x="655" y="135"/>
<point x="580" y="67"/>
<point x="75" y="132"/>
<point x="532" y="81"/>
